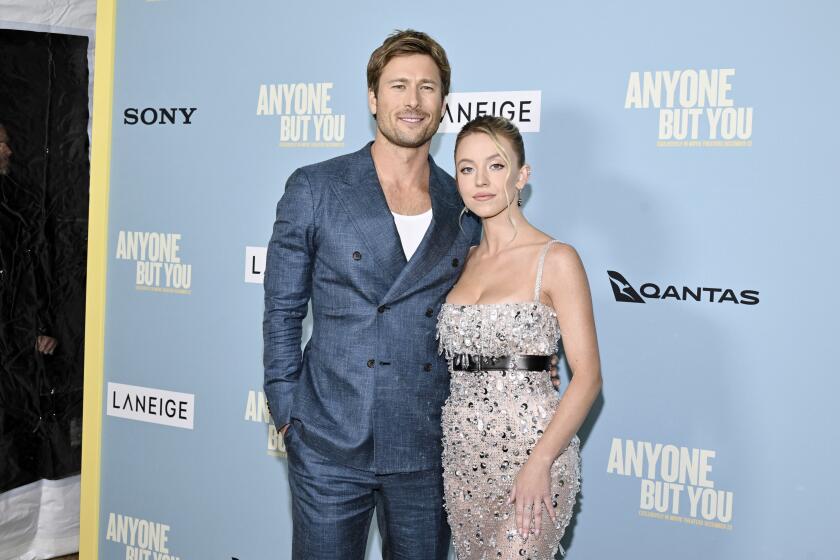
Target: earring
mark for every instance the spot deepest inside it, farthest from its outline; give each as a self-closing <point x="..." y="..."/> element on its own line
<point x="519" y="198"/>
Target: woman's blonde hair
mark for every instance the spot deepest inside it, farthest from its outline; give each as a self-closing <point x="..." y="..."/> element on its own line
<point x="496" y="127"/>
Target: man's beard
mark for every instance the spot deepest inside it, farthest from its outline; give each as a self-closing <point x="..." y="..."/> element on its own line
<point x="396" y="137"/>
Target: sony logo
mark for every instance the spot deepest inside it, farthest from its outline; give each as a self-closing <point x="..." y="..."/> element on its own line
<point x="158" y="115"/>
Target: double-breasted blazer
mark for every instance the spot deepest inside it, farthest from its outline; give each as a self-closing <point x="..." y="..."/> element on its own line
<point x="368" y="388"/>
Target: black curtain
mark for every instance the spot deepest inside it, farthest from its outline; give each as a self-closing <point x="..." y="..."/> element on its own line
<point x="43" y="243"/>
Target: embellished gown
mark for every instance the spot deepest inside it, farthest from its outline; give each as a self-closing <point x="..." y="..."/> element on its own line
<point x="492" y="420"/>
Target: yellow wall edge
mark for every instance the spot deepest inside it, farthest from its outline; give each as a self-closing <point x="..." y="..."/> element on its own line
<point x="97" y="265"/>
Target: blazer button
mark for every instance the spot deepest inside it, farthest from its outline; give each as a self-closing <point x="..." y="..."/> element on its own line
<point x="429" y="312"/>
<point x="381" y="309"/>
<point x="371" y="363"/>
<point x="427" y="367"/>
<point x="357" y="256"/>
<point x="455" y="263"/>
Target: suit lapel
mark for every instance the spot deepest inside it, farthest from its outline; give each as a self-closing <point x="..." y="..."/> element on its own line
<point x="361" y="195"/>
<point x="442" y="232"/>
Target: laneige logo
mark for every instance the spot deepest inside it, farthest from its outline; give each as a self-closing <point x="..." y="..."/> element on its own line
<point x="151" y="405"/>
<point x="520" y="107"/>
<point x="254" y="264"/>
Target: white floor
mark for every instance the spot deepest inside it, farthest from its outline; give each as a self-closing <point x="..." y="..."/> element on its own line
<point x="40" y="520"/>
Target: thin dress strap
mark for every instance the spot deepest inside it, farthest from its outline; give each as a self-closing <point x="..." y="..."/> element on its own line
<point x="540" y="265"/>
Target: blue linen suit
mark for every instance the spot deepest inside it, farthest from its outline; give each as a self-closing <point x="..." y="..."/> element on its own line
<point x="364" y="398"/>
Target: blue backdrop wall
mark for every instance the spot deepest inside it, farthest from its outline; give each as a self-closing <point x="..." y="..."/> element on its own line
<point x="687" y="152"/>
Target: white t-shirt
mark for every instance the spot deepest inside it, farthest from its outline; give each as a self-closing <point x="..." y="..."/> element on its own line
<point x="411" y="230"/>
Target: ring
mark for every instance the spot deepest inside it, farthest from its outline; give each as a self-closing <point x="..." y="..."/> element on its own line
<point x="529" y="506"/>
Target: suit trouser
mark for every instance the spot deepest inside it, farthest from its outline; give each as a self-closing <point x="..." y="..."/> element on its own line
<point x="332" y="507"/>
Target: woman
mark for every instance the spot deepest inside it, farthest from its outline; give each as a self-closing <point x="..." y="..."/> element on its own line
<point x="510" y="450"/>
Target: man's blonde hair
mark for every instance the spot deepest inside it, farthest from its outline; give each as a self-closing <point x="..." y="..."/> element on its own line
<point x="404" y="43"/>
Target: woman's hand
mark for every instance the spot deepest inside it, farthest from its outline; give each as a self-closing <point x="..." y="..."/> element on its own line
<point x="531" y="491"/>
<point x="555" y="376"/>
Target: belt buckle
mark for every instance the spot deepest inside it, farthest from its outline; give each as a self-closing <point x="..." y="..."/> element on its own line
<point x="487" y="362"/>
<point x="466" y="362"/>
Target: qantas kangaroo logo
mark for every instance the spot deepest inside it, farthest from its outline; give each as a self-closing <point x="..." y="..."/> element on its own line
<point x="622" y="290"/>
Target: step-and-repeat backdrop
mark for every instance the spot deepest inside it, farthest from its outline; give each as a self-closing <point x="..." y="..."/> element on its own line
<point x="688" y="153"/>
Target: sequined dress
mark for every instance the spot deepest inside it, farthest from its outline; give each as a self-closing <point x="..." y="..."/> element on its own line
<point x="492" y="420"/>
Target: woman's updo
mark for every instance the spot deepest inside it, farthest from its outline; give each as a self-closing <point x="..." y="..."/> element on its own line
<point x="496" y="127"/>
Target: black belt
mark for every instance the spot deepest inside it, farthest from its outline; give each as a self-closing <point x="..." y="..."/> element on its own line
<point x="526" y="362"/>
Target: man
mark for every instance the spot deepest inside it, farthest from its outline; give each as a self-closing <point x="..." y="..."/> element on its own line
<point x="24" y="321"/>
<point x="21" y="229"/>
<point x="374" y="240"/>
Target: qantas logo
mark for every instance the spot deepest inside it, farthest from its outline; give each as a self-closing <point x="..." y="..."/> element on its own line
<point x="625" y="292"/>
